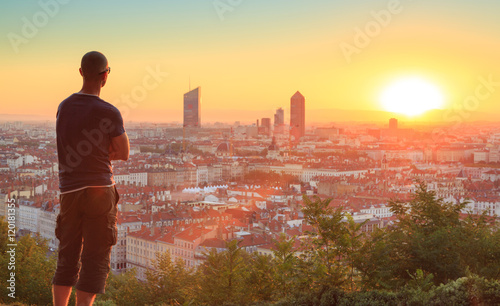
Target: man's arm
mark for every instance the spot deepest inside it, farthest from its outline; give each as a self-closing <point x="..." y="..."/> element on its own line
<point x="119" y="148"/>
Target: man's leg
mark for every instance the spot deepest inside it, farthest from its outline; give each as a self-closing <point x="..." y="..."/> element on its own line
<point x="99" y="234"/>
<point x="84" y="298"/>
<point x="61" y="295"/>
<point x="69" y="233"/>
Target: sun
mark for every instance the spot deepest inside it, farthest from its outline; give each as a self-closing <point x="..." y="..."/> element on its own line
<point x="411" y="96"/>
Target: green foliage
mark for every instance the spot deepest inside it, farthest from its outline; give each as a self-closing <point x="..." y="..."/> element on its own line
<point x="223" y="276"/>
<point x="421" y="281"/>
<point x="337" y="245"/>
<point x="270" y="178"/>
<point x="3" y="236"/>
<point x="285" y="263"/>
<point x="373" y="262"/>
<point x="354" y="242"/>
<point x="480" y="250"/>
<point x="148" y="149"/>
<point x="123" y="289"/>
<point x="431" y="236"/>
<point x="336" y="297"/>
<point x="260" y="281"/>
<point x="332" y="296"/>
<point x="32" y="260"/>
<point x="471" y="290"/>
<point x="281" y="276"/>
<point x="33" y="270"/>
<point x="417" y="290"/>
<point x="100" y="302"/>
<point x="425" y="212"/>
<point x="169" y="282"/>
<point x="372" y="298"/>
<point x="328" y="237"/>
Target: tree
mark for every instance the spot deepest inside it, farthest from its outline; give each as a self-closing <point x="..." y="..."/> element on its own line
<point x="223" y="276"/>
<point x="285" y="264"/>
<point x="479" y="244"/>
<point x="234" y="268"/>
<point x="327" y="238"/>
<point x="423" y="237"/>
<point x="374" y="263"/>
<point x="34" y="269"/>
<point x="124" y="289"/>
<point x="432" y="236"/>
<point x="169" y="282"/>
<point x="353" y="241"/>
<point x="270" y="178"/>
<point x="260" y="281"/>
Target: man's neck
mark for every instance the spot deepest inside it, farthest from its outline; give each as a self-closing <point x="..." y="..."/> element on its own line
<point x="90" y="90"/>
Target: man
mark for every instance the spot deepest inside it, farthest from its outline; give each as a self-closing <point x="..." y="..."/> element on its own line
<point x="90" y="134"/>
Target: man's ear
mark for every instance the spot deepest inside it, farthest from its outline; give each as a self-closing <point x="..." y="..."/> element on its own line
<point x="104" y="78"/>
<point x="81" y="73"/>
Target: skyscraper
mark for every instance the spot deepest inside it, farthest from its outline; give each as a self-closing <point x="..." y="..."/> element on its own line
<point x="192" y="114"/>
<point x="297" y="116"/>
<point x="279" y="122"/>
<point x="279" y="117"/>
<point x="266" y="126"/>
<point x="393" y="124"/>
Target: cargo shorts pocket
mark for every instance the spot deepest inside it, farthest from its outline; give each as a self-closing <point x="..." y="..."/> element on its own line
<point x="58" y="227"/>
<point x="112" y="230"/>
<point x="114" y="236"/>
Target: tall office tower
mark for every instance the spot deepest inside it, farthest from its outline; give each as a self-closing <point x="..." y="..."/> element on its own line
<point x="279" y="117"/>
<point x="297" y="116"/>
<point x="192" y="111"/>
<point x="266" y="126"/>
<point x="393" y="124"/>
<point x="279" y="122"/>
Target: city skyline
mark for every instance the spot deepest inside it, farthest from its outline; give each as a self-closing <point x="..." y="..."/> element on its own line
<point x="183" y="202"/>
<point x="249" y="56"/>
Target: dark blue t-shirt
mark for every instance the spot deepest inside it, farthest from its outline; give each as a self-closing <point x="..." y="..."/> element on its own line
<point x="85" y="125"/>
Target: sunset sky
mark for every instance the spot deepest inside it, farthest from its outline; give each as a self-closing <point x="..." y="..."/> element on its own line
<point x="250" y="56"/>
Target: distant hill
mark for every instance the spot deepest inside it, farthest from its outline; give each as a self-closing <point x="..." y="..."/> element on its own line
<point x="313" y="116"/>
<point x="25" y="117"/>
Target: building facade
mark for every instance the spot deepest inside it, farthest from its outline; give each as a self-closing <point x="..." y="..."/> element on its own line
<point x="298" y="116"/>
<point x="192" y="103"/>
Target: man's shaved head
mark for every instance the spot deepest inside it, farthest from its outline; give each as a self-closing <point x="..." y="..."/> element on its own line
<point x="93" y="63"/>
